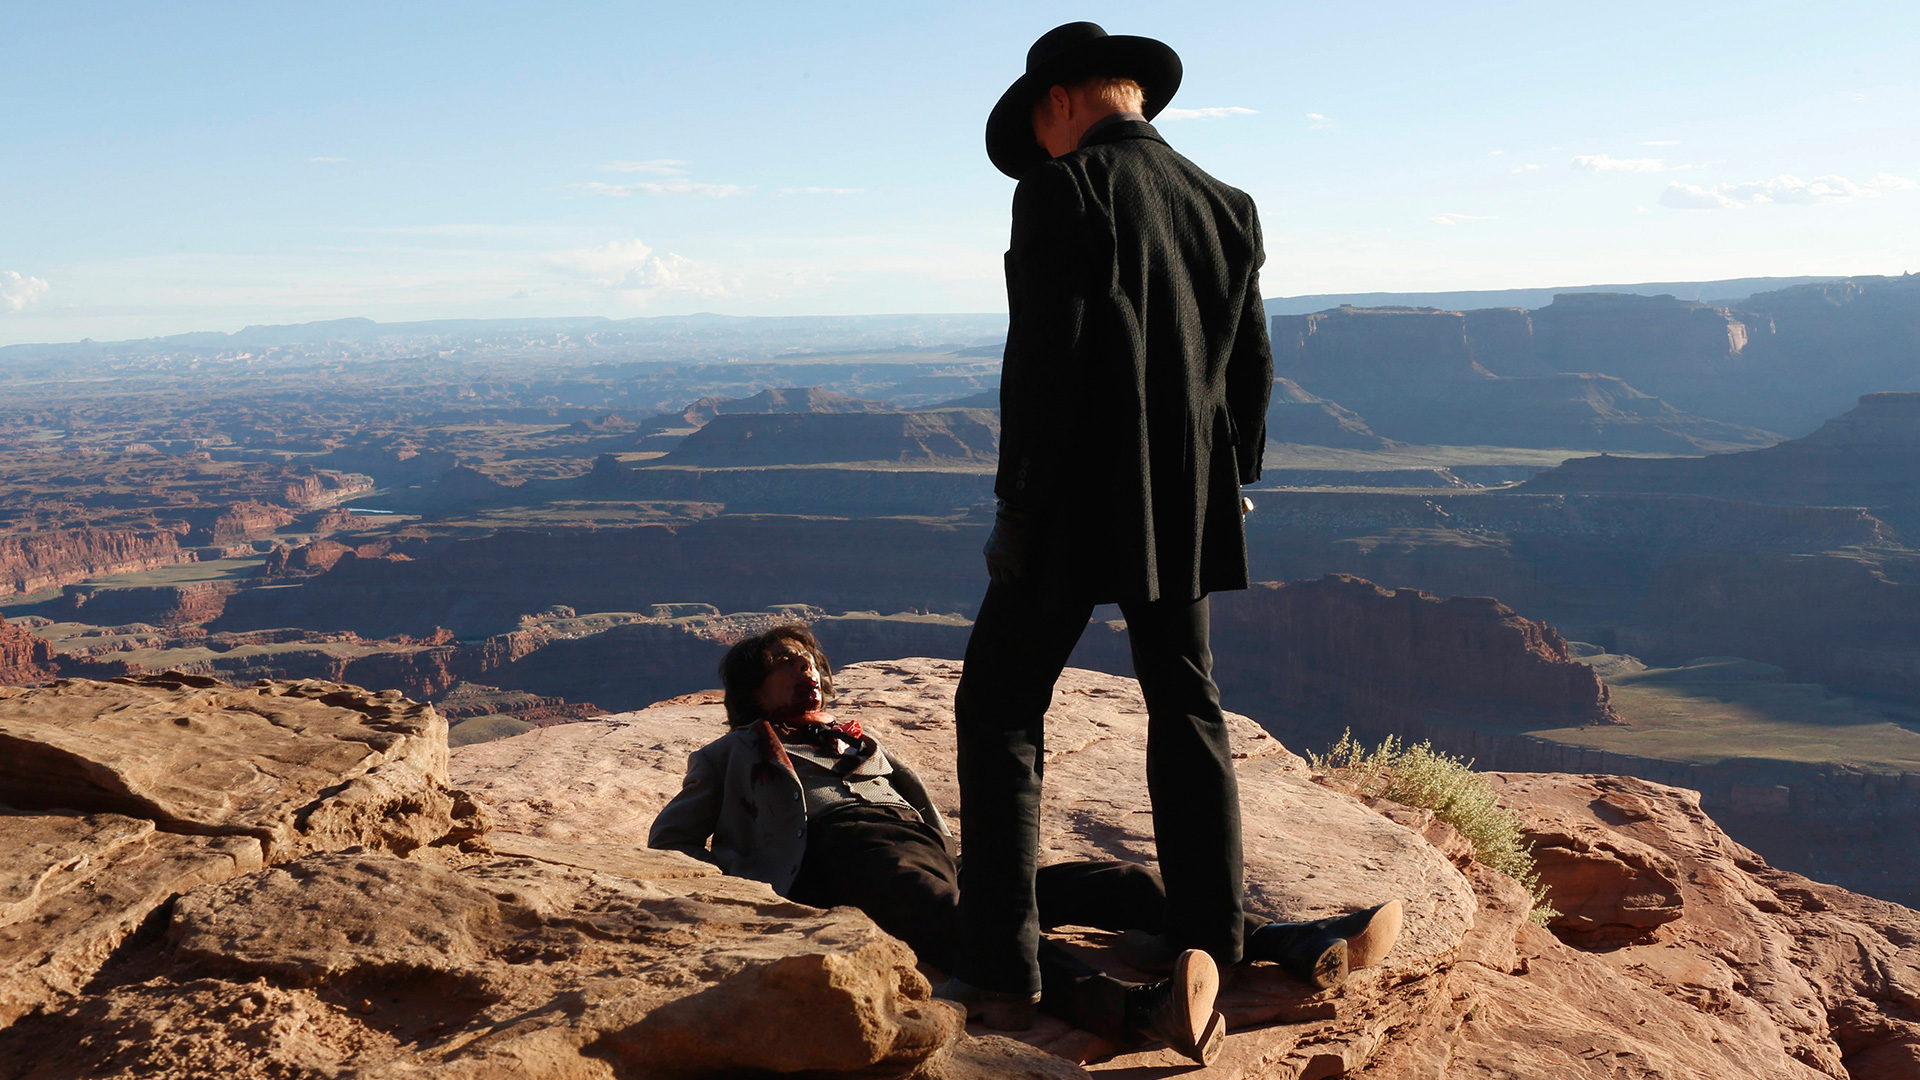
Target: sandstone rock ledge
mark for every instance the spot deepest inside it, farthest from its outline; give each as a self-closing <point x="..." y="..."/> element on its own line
<point x="1310" y="851"/>
<point x="120" y="795"/>
<point x="277" y="881"/>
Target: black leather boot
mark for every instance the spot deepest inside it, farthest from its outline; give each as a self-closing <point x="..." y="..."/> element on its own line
<point x="1179" y="1010"/>
<point x="1305" y="950"/>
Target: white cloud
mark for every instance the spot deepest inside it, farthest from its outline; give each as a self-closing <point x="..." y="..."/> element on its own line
<point x="636" y="271"/>
<point x="1317" y="122"/>
<point x="823" y="191"/>
<point x="1786" y="188"/>
<point x="328" y="160"/>
<point x="1661" y="142"/>
<point x="1526" y="168"/>
<point x="1496" y="153"/>
<point x="664" y="187"/>
<point x="1682" y="196"/>
<point x="655" y="167"/>
<point x="18" y="291"/>
<point x="1890" y="182"/>
<point x="1455" y="219"/>
<point x="1211" y="112"/>
<point x="1608" y="163"/>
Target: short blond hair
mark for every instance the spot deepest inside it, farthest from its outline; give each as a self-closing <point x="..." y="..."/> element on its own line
<point x="1114" y="92"/>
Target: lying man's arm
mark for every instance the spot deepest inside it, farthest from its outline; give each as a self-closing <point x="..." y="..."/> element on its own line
<point x="685" y="823"/>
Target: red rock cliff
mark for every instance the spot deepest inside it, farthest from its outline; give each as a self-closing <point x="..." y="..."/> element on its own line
<point x="38" y="561"/>
<point x="24" y="657"/>
<point x="1342" y="646"/>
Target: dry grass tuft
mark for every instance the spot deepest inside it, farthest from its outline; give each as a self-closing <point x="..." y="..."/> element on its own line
<point x="1437" y="781"/>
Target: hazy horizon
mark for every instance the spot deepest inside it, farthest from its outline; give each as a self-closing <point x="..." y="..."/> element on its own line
<point x="205" y="168"/>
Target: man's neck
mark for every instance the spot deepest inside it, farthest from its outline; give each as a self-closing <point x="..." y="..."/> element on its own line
<point x="800" y="716"/>
<point x="1107" y="121"/>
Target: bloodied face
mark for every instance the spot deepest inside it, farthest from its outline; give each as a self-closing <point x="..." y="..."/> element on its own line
<point x="793" y="680"/>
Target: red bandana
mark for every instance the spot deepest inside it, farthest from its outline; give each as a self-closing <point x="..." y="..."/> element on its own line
<point x="820" y="729"/>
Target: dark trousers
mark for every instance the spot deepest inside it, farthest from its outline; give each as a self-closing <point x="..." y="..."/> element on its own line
<point x="1019" y="646"/>
<point x="899" y="873"/>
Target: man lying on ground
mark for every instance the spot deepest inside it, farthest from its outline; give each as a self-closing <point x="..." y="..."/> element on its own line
<point x="817" y="809"/>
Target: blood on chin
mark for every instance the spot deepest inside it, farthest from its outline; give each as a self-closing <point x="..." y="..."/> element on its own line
<point x="806" y="702"/>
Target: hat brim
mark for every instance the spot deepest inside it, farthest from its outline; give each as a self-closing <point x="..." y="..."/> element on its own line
<point x="1154" y="65"/>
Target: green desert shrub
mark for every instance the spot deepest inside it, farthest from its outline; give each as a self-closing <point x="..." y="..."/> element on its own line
<point x="1437" y="781"/>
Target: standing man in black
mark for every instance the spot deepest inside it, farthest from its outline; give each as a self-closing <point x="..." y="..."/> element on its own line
<point x="1133" y="407"/>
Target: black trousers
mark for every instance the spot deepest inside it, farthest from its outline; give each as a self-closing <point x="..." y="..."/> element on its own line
<point x="897" y="871"/>
<point x="1019" y="646"/>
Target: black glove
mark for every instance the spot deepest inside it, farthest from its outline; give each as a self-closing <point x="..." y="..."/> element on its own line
<point x="1010" y="546"/>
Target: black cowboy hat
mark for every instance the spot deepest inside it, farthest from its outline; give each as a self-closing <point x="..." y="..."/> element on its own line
<point x="1067" y="54"/>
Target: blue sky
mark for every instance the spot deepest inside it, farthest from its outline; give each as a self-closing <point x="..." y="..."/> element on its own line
<point x="171" y="167"/>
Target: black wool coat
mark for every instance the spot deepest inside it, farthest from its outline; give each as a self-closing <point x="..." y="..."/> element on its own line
<point x="1134" y="393"/>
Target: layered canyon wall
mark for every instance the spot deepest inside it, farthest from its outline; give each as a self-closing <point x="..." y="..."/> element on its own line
<point x="32" y="562"/>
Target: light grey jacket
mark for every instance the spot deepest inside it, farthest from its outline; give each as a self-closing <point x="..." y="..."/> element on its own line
<point x="741" y="789"/>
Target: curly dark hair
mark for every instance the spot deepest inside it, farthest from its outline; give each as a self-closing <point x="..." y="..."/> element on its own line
<point x="744" y="668"/>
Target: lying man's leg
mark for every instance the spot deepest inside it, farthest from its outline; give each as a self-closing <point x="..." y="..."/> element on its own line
<point x="1129" y="899"/>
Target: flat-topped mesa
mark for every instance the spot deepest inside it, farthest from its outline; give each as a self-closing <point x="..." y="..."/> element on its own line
<point x="1418" y="376"/>
<point x="1640" y="338"/>
<point x="927" y="437"/>
<point x="1384" y="345"/>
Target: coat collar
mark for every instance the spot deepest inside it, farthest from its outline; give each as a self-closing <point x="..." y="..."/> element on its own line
<point x="766" y="742"/>
<point x="1124" y="129"/>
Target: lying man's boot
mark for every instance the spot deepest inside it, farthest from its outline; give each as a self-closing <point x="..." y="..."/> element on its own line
<point x="1314" y="957"/>
<point x="1000" y="1010"/>
<point x="1305" y="950"/>
<point x="1179" y="1010"/>
<point x="1319" y="953"/>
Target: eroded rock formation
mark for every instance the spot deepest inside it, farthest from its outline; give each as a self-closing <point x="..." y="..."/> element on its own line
<point x="1340" y="650"/>
<point x="29" y="563"/>
<point x="24" y="657"/>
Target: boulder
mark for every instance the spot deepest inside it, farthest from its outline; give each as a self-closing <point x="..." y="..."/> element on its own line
<point x="388" y="967"/>
<point x="298" y="766"/>
<point x="1608" y="888"/>
<point x="123" y="795"/>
